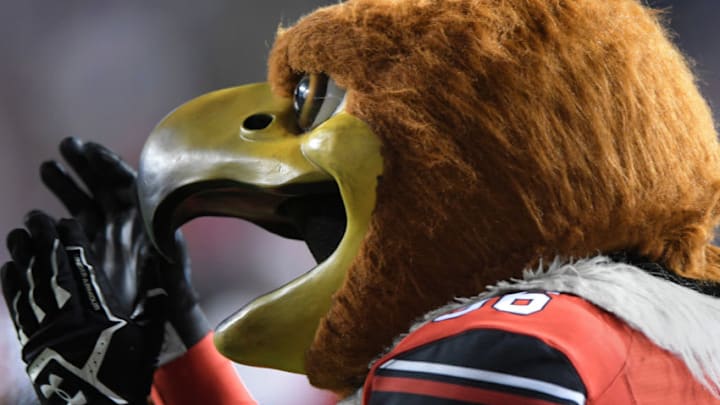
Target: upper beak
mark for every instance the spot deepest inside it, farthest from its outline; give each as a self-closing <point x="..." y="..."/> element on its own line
<point x="239" y="144"/>
<point x="238" y="152"/>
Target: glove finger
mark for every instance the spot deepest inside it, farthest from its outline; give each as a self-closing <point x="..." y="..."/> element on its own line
<point x="118" y="189"/>
<point x="15" y="289"/>
<point x="60" y="183"/>
<point x="115" y="170"/>
<point x="109" y="179"/>
<point x="73" y="197"/>
<point x="53" y="280"/>
<point x="13" y="284"/>
<point x="73" y="151"/>
<point x="21" y="249"/>
<point x="42" y="233"/>
<point x="44" y="266"/>
<point x="82" y="264"/>
<point x="19" y="244"/>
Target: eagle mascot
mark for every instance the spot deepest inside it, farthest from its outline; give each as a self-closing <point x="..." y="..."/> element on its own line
<point x="510" y="202"/>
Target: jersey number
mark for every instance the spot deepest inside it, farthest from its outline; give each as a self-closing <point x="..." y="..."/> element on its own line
<point x="521" y="303"/>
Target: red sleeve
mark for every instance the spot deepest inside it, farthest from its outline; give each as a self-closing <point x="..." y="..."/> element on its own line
<point x="201" y="376"/>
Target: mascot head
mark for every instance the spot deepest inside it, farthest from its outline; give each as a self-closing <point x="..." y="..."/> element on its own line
<point x="425" y="149"/>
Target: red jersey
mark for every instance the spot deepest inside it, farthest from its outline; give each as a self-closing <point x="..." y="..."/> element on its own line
<point x="530" y="348"/>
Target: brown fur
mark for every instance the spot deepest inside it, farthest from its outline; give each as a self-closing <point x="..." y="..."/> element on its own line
<point x="512" y="130"/>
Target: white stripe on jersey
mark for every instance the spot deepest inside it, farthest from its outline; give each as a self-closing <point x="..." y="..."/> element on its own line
<point x="486" y="376"/>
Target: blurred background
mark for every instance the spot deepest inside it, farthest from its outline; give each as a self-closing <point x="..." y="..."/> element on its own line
<point x="108" y="71"/>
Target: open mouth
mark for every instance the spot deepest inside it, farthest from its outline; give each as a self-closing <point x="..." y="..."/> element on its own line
<point x="313" y="213"/>
<point x="319" y="219"/>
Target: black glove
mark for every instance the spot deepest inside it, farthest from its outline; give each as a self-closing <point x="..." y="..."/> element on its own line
<point x="82" y="343"/>
<point x="111" y="219"/>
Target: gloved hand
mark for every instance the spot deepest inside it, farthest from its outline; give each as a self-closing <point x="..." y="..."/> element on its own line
<point x="110" y="217"/>
<point x="82" y="343"/>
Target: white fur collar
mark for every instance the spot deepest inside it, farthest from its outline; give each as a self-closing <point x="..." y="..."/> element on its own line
<point x="675" y="318"/>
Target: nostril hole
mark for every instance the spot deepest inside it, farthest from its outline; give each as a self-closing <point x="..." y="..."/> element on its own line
<point x="257" y="122"/>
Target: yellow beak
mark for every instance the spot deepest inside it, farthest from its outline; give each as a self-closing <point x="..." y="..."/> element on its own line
<point x="237" y="152"/>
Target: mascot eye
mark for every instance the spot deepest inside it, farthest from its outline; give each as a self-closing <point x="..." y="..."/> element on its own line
<point x="317" y="98"/>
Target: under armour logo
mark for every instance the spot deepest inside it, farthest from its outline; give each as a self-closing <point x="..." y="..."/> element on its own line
<point x="54" y="388"/>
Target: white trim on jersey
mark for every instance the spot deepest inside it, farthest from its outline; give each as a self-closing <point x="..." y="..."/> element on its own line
<point x="487" y="376"/>
<point x="677" y="319"/>
<point x="673" y="317"/>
